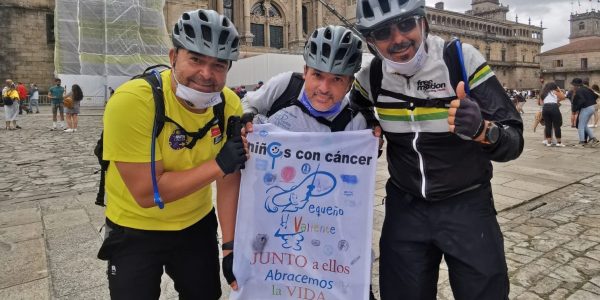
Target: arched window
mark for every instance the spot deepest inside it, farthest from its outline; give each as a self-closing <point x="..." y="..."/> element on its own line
<point x="266" y="24"/>
<point x="304" y="20"/>
<point x="581" y="26"/>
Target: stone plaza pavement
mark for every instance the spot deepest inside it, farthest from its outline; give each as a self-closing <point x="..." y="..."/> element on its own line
<point x="548" y="202"/>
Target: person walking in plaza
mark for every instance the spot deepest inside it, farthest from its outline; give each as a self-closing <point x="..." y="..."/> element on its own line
<point x="550" y="98"/>
<point x="596" y="90"/>
<point x="34" y="98"/>
<point x="22" y="90"/>
<point x="56" y="94"/>
<point x="584" y="102"/>
<point x="10" y="98"/>
<point x="441" y="137"/>
<point x="165" y="220"/>
<point x="72" y="113"/>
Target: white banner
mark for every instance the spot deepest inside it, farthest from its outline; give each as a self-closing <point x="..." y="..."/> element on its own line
<point x="304" y="217"/>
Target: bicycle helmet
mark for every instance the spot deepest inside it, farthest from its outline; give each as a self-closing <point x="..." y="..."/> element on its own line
<point x="333" y="49"/>
<point x="207" y="32"/>
<point x="370" y="14"/>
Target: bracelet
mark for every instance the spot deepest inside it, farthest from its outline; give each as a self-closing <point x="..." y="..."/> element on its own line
<point x="227" y="246"/>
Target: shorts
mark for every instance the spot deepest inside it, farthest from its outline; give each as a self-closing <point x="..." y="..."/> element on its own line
<point x="136" y="260"/>
<point x="59" y="107"/>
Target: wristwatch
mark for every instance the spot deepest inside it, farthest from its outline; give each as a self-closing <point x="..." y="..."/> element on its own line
<point x="492" y="133"/>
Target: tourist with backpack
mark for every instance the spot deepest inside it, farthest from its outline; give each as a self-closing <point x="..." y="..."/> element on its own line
<point x="159" y="209"/>
<point x="445" y="117"/>
<point x="315" y="100"/>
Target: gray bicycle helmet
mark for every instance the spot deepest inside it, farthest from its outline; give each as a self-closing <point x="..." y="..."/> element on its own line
<point x="334" y="49"/>
<point x="207" y="32"/>
<point x="372" y="13"/>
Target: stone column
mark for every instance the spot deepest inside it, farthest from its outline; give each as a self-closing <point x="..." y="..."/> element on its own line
<point x="319" y="16"/>
<point x="247" y="36"/>
<point x="219" y="6"/>
<point x="298" y="42"/>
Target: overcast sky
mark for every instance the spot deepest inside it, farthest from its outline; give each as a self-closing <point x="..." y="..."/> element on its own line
<point x="554" y="13"/>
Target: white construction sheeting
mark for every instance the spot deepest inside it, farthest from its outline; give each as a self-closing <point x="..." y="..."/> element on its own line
<point x="249" y="71"/>
<point x="102" y="43"/>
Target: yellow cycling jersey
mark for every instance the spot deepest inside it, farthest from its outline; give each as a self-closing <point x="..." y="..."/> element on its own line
<point x="128" y="121"/>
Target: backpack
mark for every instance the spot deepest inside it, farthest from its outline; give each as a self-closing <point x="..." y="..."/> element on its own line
<point x="454" y="61"/>
<point x="151" y="75"/>
<point x="290" y="97"/>
<point x="68" y="102"/>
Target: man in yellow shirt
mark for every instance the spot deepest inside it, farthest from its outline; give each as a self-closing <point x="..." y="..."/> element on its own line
<point x="172" y="224"/>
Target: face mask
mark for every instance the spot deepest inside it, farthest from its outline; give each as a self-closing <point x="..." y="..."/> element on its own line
<point x="412" y="66"/>
<point x="198" y="100"/>
<point x="317" y="113"/>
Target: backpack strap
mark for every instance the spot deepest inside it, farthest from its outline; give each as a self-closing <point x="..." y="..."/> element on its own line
<point x="289" y="95"/>
<point x="375" y="77"/>
<point x="453" y="57"/>
<point x="219" y="112"/>
<point x="153" y="78"/>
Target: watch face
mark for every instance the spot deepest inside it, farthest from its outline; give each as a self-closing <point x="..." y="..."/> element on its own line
<point x="493" y="133"/>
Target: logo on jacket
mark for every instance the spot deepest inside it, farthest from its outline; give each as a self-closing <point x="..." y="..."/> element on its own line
<point x="428" y="85"/>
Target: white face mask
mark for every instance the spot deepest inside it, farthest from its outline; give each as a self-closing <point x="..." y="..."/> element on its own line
<point x="197" y="99"/>
<point x="412" y="66"/>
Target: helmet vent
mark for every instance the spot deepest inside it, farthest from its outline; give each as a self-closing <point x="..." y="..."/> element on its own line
<point x="225" y="23"/>
<point x="326" y="51"/>
<point x="315" y="33"/>
<point x="234" y="43"/>
<point x="189" y="31"/>
<point x="176" y="29"/>
<point x="354" y="58"/>
<point x="359" y="45"/>
<point x="313" y="48"/>
<point x="206" y="33"/>
<point x="402" y="2"/>
<point x="223" y="37"/>
<point x="385" y="5"/>
<point x="202" y="16"/>
<point x="346" y="38"/>
<point x="340" y="54"/>
<point x="367" y="10"/>
<point x="185" y="16"/>
<point x="327" y="33"/>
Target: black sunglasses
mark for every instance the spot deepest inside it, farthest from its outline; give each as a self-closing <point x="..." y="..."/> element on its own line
<point x="403" y="25"/>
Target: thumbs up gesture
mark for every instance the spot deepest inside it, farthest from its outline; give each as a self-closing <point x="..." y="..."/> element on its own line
<point x="464" y="116"/>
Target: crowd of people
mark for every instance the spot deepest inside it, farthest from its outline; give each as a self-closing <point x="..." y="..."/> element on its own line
<point x="16" y="99"/>
<point x="584" y="112"/>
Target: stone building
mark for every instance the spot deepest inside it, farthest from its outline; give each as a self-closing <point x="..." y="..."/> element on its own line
<point x="580" y="57"/>
<point x="511" y="48"/>
<point x="281" y="26"/>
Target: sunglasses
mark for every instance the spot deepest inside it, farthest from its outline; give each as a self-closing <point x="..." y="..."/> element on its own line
<point x="403" y="25"/>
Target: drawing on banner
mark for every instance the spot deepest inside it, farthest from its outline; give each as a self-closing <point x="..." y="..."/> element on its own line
<point x="290" y="201"/>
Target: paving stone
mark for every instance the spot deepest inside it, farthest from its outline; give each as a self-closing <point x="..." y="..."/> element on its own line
<point x="546" y="285"/>
<point x="67" y="275"/>
<point x="530" y="230"/>
<point x="586" y="265"/>
<point x="21" y="233"/>
<point x="20" y="217"/>
<point x="559" y="294"/>
<point x="579" y="244"/>
<point x="589" y="220"/>
<point x="583" y="295"/>
<point x="515" y="290"/>
<point x="66" y="219"/>
<point x="530" y="275"/>
<point x="592" y="235"/>
<point x="22" y="262"/>
<point x="567" y="273"/>
<point x="590" y="287"/>
<point x="569" y="229"/>
<point x="96" y="293"/>
<point x="528" y="296"/>
<point x="529" y="186"/>
<point x="37" y="289"/>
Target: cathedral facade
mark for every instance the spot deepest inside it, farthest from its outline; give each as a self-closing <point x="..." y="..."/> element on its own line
<point x="282" y="26"/>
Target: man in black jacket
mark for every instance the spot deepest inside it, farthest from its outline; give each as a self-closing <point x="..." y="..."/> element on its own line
<point x="441" y="138"/>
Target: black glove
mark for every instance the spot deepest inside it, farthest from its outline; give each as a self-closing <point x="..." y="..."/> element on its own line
<point x="232" y="155"/>
<point x="468" y="122"/>
<point x="247" y="118"/>
<point x="228" y="268"/>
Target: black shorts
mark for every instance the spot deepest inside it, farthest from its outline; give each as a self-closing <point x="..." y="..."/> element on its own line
<point x="463" y="229"/>
<point x="136" y="259"/>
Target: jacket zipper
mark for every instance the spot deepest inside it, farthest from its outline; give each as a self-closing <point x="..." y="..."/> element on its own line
<point x="421" y="163"/>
